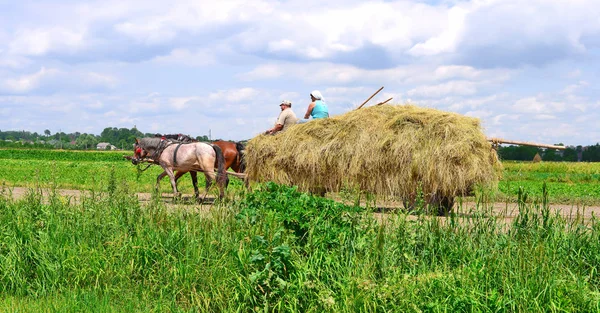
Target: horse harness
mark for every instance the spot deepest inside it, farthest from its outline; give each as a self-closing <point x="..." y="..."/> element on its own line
<point x="164" y="143"/>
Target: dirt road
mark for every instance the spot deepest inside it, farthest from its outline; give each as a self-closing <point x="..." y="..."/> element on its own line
<point x="507" y="211"/>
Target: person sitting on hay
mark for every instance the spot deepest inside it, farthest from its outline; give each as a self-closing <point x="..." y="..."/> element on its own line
<point x="317" y="107"/>
<point x="286" y="118"/>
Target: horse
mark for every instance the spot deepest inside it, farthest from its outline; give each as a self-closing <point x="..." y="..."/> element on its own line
<point x="233" y="152"/>
<point x="183" y="157"/>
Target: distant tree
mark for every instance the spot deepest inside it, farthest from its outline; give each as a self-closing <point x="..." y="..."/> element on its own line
<point x="203" y="138"/>
<point x="551" y="155"/>
<point x="86" y="141"/>
<point x="570" y="155"/>
<point x="517" y="153"/>
<point x="121" y="137"/>
<point x="47" y="132"/>
<point x="591" y="154"/>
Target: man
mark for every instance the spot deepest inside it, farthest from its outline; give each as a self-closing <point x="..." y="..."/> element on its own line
<point x="286" y="118"/>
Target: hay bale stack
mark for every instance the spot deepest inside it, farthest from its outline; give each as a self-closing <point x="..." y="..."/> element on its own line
<point x="390" y="150"/>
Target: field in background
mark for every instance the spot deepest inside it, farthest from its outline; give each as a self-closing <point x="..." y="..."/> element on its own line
<point x="567" y="183"/>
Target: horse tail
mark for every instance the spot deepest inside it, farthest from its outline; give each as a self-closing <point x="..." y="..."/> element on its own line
<point x="221" y="175"/>
<point x="240" y="147"/>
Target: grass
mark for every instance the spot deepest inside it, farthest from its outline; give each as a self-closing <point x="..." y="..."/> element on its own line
<point x="277" y="249"/>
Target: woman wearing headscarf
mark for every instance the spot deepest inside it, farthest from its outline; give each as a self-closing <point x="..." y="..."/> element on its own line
<point x="317" y="107"/>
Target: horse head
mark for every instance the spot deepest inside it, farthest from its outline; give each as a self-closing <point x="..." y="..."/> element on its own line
<point x="139" y="153"/>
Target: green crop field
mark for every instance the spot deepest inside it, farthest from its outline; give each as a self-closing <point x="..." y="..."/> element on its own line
<point x="274" y="249"/>
<point x="569" y="183"/>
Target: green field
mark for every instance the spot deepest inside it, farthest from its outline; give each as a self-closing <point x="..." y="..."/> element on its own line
<point x="568" y="183"/>
<point x="278" y="250"/>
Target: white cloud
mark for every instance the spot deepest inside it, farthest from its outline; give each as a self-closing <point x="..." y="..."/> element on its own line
<point x="234" y="95"/>
<point x="95" y="105"/>
<point x="473" y="103"/>
<point x="40" y="41"/>
<point x="479" y="114"/>
<point x="464" y="88"/>
<point x="198" y="57"/>
<point x="140" y="60"/>
<point x="448" y="39"/>
<point x="28" y="82"/>
<point x="544" y="117"/>
<point x="264" y="71"/>
<point x="58" y="80"/>
<point x="180" y="104"/>
<point x="164" y="22"/>
<point x="538" y="106"/>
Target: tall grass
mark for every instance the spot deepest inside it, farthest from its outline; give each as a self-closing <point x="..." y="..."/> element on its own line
<point x="278" y="250"/>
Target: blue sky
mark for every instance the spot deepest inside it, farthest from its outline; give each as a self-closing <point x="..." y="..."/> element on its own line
<point x="529" y="70"/>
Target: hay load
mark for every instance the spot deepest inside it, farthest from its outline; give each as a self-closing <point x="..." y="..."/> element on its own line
<point x="388" y="150"/>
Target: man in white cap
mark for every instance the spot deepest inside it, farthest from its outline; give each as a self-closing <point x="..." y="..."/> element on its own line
<point x="286" y="118"/>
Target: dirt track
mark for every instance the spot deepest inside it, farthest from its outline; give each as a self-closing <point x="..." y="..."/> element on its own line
<point x="501" y="210"/>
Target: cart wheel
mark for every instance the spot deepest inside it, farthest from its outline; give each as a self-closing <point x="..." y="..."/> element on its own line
<point x="445" y="206"/>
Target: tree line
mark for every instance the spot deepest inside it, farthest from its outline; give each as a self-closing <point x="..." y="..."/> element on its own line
<point x="121" y="138"/>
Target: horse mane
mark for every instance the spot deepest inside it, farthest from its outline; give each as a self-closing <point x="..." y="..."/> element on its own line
<point x="240" y="146"/>
<point x="177" y="137"/>
<point x="150" y="142"/>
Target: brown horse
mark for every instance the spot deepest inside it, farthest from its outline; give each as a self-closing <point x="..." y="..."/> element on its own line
<point x="189" y="157"/>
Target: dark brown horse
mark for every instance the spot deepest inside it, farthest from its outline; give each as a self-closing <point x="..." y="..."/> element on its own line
<point x="183" y="157"/>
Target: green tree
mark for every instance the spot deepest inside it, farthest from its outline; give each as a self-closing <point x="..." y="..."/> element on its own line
<point x="591" y="153"/>
<point x="86" y="141"/>
<point x="551" y="155"/>
<point x="202" y="138"/>
<point x="570" y="155"/>
<point x="518" y="153"/>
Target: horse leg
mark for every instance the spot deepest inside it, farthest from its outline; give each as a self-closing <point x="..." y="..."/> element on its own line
<point x="179" y="174"/>
<point x="173" y="182"/>
<point x="223" y="183"/>
<point x="158" y="179"/>
<point x="209" y="177"/>
<point x="195" y="183"/>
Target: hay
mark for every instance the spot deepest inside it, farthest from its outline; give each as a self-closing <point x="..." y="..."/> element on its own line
<point x="391" y="150"/>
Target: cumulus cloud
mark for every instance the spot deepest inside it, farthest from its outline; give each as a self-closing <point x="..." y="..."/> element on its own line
<point x="463" y="88"/>
<point x="535" y="105"/>
<point x="28" y="82"/>
<point x="187" y="57"/>
<point x="40" y="41"/>
<point x="228" y="63"/>
<point x="50" y="80"/>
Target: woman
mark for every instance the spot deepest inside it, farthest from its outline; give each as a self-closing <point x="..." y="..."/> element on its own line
<point x="317" y="108"/>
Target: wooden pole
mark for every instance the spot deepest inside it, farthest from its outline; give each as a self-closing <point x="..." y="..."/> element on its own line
<point x="498" y="141"/>
<point x="384" y="102"/>
<point x="376" y="92"/>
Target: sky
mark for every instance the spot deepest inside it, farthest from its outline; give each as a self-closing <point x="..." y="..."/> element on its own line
<point x="529" y="70"/>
